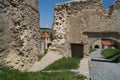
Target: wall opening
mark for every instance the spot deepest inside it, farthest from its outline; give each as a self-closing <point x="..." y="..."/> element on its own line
<point x="96" y="47"/>
<point x="77" y="50"/>
<point x="111" y="47"/>
<point x="107" y="3"/>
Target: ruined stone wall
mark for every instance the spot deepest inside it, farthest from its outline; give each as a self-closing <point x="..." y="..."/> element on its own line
<point x="19" y="33"/>
<point x="59" y="29"/>
<point x="84" y="18"/>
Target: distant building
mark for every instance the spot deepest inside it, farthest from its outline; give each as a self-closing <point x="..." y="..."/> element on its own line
<point x="45" y="39"/>
<point x="106" y="44"/>
<point x="103" y="44"/>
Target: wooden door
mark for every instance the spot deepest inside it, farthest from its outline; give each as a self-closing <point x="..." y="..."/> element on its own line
<point x="77" y="50"/>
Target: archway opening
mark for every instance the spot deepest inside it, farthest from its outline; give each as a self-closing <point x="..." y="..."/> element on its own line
<point x="108" y="55"/>
<point x="96" y="47"/>
<point x="105" y="50"/>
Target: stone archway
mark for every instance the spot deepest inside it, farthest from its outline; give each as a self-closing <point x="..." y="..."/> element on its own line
<point x="116" y="42"/>
<point x="105" y="43"/>
<point x="98" y="64"/>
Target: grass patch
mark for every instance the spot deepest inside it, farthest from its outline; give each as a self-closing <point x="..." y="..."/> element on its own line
<point x="112" y="54"/>
<point x="10" y="74"/>
<point x="44" y="53"/>
<point x="64" y="64"/>
<point x="92" y="50"/>
<point x="39" y="57"/>
<point x="115" y="58"/>
<point x="109" y="53"/>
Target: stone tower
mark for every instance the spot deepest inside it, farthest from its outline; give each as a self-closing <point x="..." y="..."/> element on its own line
<point x="19" y="33"/>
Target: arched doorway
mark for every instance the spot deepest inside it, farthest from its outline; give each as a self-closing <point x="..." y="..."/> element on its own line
<point x="96" y="47"/>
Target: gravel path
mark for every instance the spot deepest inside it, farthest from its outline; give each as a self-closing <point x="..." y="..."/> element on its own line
<point x="103" y="69"/>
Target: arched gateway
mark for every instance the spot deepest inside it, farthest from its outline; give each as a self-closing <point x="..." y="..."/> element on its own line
<point x="77" y="24"/>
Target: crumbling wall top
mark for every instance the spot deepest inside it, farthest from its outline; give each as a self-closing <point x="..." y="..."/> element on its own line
<point x="85" y="4"/>
<point x="81" y="3"/>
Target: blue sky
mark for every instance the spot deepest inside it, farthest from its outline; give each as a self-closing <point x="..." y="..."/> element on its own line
<point x="46" y="8"/>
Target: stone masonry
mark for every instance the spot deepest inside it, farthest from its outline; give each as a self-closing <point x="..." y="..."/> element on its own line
<point x="19" y="33"/>
<point x="83" y="22"/>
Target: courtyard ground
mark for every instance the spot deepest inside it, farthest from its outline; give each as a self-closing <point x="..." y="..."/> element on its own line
<point x="103" y="69"/>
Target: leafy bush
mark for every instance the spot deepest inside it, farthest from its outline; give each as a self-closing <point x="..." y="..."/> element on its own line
<point x="10" y="74"/>
<point x="64" y="64"/>
<point x="109" y="53"/>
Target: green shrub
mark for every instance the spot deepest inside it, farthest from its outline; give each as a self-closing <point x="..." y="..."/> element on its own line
<point x="109" y="53"/>
<point x="10" y="74"/>
<point x="64" y="64"/>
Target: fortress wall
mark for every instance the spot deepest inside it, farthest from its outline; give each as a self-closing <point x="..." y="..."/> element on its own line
<point x="19" y="33"/>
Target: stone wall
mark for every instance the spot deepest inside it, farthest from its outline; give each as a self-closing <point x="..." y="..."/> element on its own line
<point x="19" y="33"/>
<point x="83" y="22"/>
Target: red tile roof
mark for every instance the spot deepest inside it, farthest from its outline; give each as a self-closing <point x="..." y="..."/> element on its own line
<point x="45" y="35"/>
<point x="106" y="43"/>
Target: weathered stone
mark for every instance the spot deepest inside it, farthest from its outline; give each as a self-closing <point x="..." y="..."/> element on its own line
<point x="19" y="33"/>
<point x="82" y="22"/>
